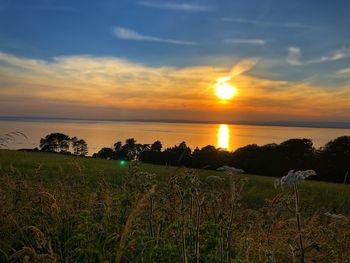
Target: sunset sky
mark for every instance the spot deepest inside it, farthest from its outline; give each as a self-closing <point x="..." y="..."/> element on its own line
<point x="160" y="60"/>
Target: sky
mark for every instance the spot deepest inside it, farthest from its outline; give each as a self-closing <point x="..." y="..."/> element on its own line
<point x="160" y="60"/>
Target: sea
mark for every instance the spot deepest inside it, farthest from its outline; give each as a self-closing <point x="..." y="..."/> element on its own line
<point x="100" y="134"/>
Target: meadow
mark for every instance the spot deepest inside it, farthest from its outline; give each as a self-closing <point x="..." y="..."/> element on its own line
<point x="60" y="208"/>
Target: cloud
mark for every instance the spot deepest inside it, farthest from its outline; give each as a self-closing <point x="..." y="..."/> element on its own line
<point x="244" y="41"/>
<point x="189" y="7"/>
<point x="295" y="56"/>
<point x="129" y="34"/>
<point x="115" y="88"/>
<point x="339" y="54"/>
<point x="238" y="69"/>
<point x="243" y="66"/>
<point x="345" y="71"/>
<point x="264" y="23"/>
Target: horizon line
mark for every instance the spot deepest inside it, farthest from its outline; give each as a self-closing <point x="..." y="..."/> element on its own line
<point x="300" y="124"/>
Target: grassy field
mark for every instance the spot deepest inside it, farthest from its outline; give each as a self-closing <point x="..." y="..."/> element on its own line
<point x="57" y="208"/>
<point x="317" y="195"/>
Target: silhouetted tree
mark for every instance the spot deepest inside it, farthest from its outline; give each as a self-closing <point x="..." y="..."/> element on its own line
<point x="178" y="155"/>
<point x="118" y="146"/>
<point x="210" y="157"/>
<point x="142" y="148"/>
<point x="334" y="160"/>
<point x="130" y="148"/>
<point x="80" y="147"/>
<point x="275" y="159"/>
<point x="246" y="158"/>
<point x="55" y="142"/>
<point x="297" y="154"/>
<point x="152" y="154"/>
<point x="156" y="146"/>
<point x="105" y="153"/>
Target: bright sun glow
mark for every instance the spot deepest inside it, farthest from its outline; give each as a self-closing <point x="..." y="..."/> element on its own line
<point x="225" y="91"/>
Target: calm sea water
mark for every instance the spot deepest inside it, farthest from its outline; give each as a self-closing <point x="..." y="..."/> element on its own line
<point x="100" y="134"/>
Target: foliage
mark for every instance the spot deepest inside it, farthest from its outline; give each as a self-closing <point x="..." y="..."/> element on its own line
<point x="331" y="162"/>
<point x="59" y="142"/>
<point x="79" y="146"/>
<point x="334" y="160"/>
<point x="55" y="142"/>
<point x="131" y="215"/>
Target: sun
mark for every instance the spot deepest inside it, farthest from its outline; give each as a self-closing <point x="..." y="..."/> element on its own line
<point x="225" y="91"/>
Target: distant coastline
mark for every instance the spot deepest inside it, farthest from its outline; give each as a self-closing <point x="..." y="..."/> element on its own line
<point x="302" y="124"/>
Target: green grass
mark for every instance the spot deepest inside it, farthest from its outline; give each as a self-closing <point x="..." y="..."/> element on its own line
<point x="315" y="195"/>
<point x="58" y="208"/>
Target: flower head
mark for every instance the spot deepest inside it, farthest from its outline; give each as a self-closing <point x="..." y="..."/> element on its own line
<point x="294" y="177"/>
<point x="230" y="169"/>
<point x="335" y="216"/>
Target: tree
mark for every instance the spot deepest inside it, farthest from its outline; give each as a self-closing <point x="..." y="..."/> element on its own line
<point x="297" y="154"/>
<point x="152" y="153"/>
<point x="210" y="157"/>
<point x="55" y="142"/>
<point x="130" y="148"/>
<point x="118" y="146"/>
<point x="178" y="155"/>
<point x="334" y="160"/>
<point x="156" y="146"/>
<point x="79" y="146"/>
<point x="105" y="153"/>
<point x="142" y="148"/>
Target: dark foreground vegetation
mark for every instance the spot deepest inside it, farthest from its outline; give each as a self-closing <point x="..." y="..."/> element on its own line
<point x="331" y="162"/>
<point x="57" y="208"/>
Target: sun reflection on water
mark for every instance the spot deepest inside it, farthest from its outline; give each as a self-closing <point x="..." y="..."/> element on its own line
<point x="223" y="136"/>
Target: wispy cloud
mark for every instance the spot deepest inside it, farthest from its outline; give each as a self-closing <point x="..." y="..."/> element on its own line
<point x="115" y="87"/>
<point x="339" y="54"/>
<point x="295" y="56"/>
<point x="243" y="66"/>
<point x="129" y="34"/>
<point x="265" y="23"/>
<point x="244" y="41"/>
<point x="189" y="7"/>
<point x="345" y="71"/>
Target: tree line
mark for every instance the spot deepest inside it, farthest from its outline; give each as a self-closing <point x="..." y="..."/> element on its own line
<point x="331" y="162"/>
<point x="62" y="143"/>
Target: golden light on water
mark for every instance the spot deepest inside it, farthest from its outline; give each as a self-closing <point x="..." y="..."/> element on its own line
<point x="223" y="136"/>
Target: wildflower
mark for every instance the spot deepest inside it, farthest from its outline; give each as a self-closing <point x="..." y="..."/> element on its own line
<point x="334" y="216"/>
<point x="293" y="178"/>
<point x="230" y="169"/>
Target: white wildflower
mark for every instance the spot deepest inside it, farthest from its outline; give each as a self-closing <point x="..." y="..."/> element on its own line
<point x="334" y="216"/>
<point x="294" y="177"/>
<point x="230" y="169"/>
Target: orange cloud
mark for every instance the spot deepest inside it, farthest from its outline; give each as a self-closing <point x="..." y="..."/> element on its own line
<point x="108" y="85"/>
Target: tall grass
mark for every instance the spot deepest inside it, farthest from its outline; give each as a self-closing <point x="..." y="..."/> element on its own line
<point x="183" y="217"/>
